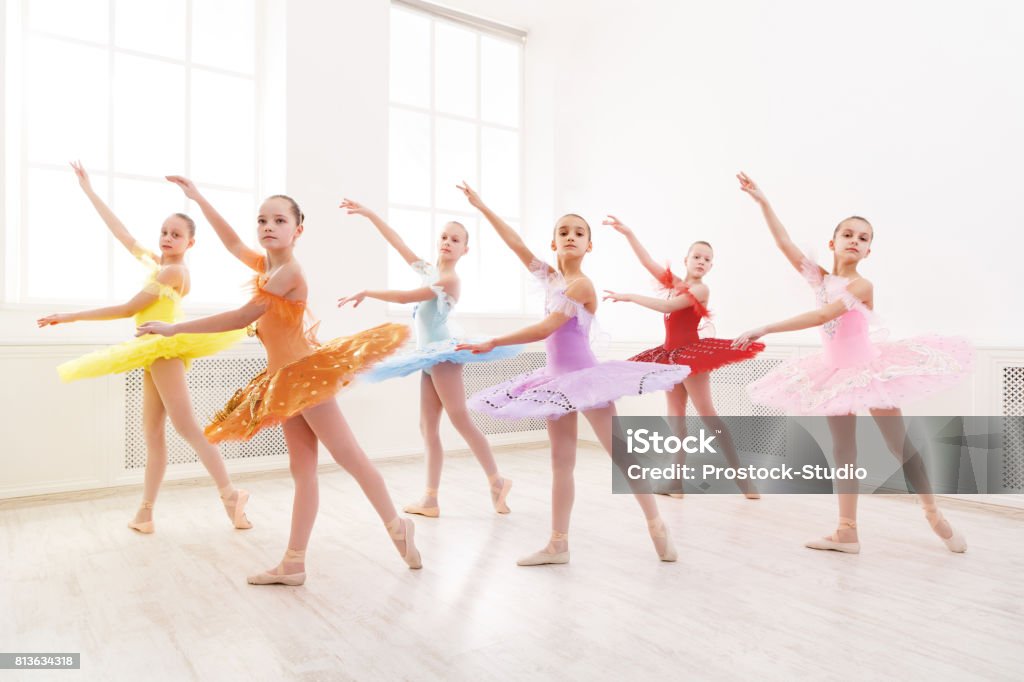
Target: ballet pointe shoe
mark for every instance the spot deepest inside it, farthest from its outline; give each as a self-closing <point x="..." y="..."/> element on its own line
<point x="956" y="542"/>
<point x="432" y="511"/>
<point x="659" y="531"/>
<point x="277" y="576"/>
<point x="404" y="529"/>
<point x="499" y="498"/>
<point x="237" y="513"/>
<point x="832" y="541"/>
<point x="145" y="527"/>
<point x="548" y="555"/>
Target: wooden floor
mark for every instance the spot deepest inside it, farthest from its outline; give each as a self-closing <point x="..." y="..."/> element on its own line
<point x="744" y="600"/>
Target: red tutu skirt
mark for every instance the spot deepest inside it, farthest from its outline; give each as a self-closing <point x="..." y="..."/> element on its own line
<point x="703" y="355"/>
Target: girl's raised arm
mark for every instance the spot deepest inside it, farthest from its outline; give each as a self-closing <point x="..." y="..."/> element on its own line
<point x="504" y="230"/>
<point x="658" y="271"/>
<point x="114" y="223"/>
<point x="661" y="305"/>
<point x="795" y="256"/>
<point x="232" y="242"/>
<point x="859" y="290"/>
<point x="385" y="230"/>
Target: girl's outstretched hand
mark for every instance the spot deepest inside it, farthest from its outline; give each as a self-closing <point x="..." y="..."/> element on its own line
<point x="746" y="338"/>
<point x="186" y="186"/>
<point x="616" y="224"/>
<point x="750" y="187"/>
<point x="161" y="328"/>
<point x="616" y="298"/>
<point x="474" y="199"/>
<point x="354" y="207"/>
<point x="354" y="299"/>
<point x="56" y="318"/>
<point x="477" y="348"/>
<point x="83" y="177"/>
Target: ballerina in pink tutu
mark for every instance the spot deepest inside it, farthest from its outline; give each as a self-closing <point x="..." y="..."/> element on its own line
<point x="684" y="307"/>
<point x="573" y="380"/>
<point x="853" y="373"/>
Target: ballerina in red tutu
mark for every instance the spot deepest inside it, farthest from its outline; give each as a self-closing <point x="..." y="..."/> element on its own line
<point x="685" y="310"/>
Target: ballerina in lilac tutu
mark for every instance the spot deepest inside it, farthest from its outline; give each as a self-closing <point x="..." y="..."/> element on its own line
<point x="853" y="373"/>
<point x="441" y="387"/>
<point x="572" y="380"/>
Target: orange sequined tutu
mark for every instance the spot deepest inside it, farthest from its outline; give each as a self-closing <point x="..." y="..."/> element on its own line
<point x="268" y="400"/>
<point x="301" y="372"/>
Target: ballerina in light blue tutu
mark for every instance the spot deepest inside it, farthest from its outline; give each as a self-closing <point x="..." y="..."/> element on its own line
<point x="441" y="387"/>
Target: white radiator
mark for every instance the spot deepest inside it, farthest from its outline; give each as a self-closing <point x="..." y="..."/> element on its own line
<point x="1013" y="428"/>
<point x="211" y="382"/>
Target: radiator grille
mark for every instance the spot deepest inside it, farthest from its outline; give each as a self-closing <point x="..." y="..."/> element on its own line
<point x="211" y="382"/>
<point x="729" y="393"/>
<point x="1013" y="429"/>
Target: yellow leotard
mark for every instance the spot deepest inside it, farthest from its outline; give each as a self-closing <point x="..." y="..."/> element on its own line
<point x="144" y="350"/>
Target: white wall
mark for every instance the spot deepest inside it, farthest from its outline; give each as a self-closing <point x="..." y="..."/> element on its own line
<point x="908" y="113"/>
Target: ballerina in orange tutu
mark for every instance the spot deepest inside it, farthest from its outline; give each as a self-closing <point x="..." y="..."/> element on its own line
<point x="301" y="379"/>
<point x="164" y="391"/>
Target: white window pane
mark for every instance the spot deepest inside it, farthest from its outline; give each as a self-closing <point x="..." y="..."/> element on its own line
<point x="499" y="81"/>
<point x="456" y="161"/>
<point x="142" y="206"/>
<point x="223" y="34"/>
<point x="65" y="240"/>
<point x="218" y="278"/>
<point x="66" y="102"/>
<point x="149" y="116"/>
<point x="409" y="158"/>
<point x="455" y="69"/>
<point x="223" y="129"/>
<point x="499" y="170"/>
<point x="410" y="58"/>
<point x="83" y="19"/>
<point x="417" y="231"/>
<point x="501" y="282"/>
<point x="155" y="26"/>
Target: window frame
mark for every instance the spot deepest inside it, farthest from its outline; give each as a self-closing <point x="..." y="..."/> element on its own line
<point x="481" y="27"/>
<point x="15" y="164"/>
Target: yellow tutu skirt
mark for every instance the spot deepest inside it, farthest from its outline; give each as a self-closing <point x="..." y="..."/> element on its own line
<point x="269" y="400"/>
<point x="144" y="350"/>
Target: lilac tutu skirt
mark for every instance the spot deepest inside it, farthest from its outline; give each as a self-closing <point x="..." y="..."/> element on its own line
<point x="549" y="395"/>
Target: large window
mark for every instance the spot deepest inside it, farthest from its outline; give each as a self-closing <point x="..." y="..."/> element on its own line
<point x="137" y="90"/>
<point x="455" y="114"/>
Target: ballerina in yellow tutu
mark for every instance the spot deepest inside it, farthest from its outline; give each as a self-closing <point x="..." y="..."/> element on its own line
<point x="165" y="360"/>
<point x="297" y="390"/>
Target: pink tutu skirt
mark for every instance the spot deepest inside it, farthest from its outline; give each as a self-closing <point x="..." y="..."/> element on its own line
<point x="901" y="372"/>
<point x="543" y="394"/>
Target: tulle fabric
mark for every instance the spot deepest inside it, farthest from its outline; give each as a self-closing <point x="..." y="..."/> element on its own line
<point x="143" y="351"/>
<point x="703" y="355"/>
<point x="423" y="359"/>
<point x="435" y="341"/>
<point x="572" y="380"/>
<point x="683" y="329"/>
<point x="547" y="395"/>
<point x="903" y="371"/>
<point x="855" y="374"/>
<point x="271" y="398"/>
<point x="301" y="372"/>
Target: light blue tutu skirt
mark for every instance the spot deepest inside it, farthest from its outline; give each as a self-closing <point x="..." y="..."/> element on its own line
<point x="432" y="354"/>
